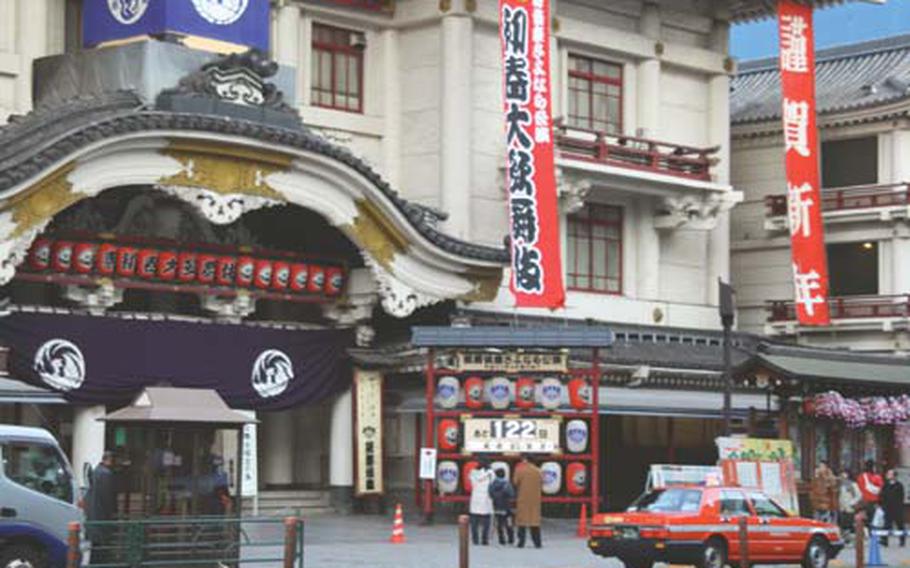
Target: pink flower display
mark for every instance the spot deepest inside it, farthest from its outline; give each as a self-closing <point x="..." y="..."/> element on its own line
<point x="878" y="410"/>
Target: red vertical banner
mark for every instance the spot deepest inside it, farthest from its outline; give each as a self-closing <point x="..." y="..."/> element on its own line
<point x="807" y="238"/>
<point x="531" y="176"/>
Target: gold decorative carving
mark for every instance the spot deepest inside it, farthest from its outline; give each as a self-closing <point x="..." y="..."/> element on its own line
<point x="470" y="6"/>
<point x="226" y="169"/>
<point x="486" y="285"/>
<point x="445" y="5"/>
<point x="39" y="203"/>
<point x="376" y="233"/>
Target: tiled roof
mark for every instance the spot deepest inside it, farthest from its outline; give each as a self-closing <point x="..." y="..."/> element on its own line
<point x="848" y="78"/>
<point x="746" y="10"/>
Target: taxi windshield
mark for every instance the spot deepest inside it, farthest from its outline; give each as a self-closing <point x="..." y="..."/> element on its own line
<point x="669" y="501"/>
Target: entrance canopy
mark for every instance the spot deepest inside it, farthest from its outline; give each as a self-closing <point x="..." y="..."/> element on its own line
<point x="189" y="406"/>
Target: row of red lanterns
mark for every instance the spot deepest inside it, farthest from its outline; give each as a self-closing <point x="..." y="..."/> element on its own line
<point x="184" y="267"/>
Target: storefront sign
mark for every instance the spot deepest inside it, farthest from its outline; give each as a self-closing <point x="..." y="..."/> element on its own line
<point x="754" y="463"/>
<point x="807" y="239"/>
<point x="239" y="22"/>
<point x="107" y="360"/>
<point x="531" y="176"/>
<point x="512" y="361"/>
<point x="368" y="432"/>
<point x="428" y="463"/>
<point x="511" y="435"/>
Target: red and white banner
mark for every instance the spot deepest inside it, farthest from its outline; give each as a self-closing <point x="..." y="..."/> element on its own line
<point x="807" y="238"/>
<point x="531" y="176"/>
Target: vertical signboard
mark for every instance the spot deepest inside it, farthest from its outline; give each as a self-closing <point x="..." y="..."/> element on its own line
<point x="250" y="482"/>
<point x="368" y="432"/>
<point x="807" y="240"/>
<point x="530" y="173"/>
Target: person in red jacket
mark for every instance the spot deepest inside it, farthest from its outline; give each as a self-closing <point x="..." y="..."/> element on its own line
<point x="870" y="485"/>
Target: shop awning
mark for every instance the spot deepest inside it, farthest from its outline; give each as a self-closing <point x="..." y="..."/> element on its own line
<point x="864" y="371"/>
<point x="17" y="392"/>
<point x="645" y="402"/>
<point x="187" y="406"/>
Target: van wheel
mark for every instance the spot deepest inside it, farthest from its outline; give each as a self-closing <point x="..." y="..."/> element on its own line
<point x="817" y="554"/>
<point x="637" y="563"/>
<point x="714" y="554"/>
<point x="22" y="556"/>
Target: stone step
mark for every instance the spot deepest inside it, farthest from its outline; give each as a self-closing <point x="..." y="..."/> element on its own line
<point x="289" y="502"/>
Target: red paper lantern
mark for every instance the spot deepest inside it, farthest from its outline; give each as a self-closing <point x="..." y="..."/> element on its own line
<point x="148" y="264"/>
<point x="473" y="392"/>
<point x="39" y="257"/>
<point x="466" y="470"/>
<point x="281" y="275"/>
<point x="84" y="257"/>
<point x="208" y="266"/>
<point x="334" y="281"/>
<point x="246" y="269"/>
<point x="576" y="478"/>
<point x="127" y="261"/>
<point x="62" y="259"/>
<point x="107" y="259"/>
<point x="262" y="275"/>
<point x="187" y="266"/>
<point x="299" y="275"/>
<point x="317" y="279"/>
<point x="167" y="265"/>
<point x="524" y="392"/>
<point x="579" y="393"/>
<point x="227" y="271"/>
<point x="447" y="434"/>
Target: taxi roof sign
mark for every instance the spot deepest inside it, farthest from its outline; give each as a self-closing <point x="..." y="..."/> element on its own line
<point x="666" y="475"/>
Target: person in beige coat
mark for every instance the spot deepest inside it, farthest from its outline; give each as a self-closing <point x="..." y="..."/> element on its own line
<point x="528" y="484"/>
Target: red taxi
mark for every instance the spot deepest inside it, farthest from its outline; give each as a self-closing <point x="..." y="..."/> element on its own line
<point x="700" y="525"/>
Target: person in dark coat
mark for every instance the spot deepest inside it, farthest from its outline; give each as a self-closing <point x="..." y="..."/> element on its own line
<point x="101" y="506"/>
<point x="892" y="501"/>
<point x="503" y="493"/>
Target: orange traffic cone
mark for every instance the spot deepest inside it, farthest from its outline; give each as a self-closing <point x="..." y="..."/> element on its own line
<point x="398" y="526"/>
<point x="583" y="521"/>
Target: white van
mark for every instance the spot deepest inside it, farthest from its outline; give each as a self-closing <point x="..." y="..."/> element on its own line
<point x="38" y="499"/>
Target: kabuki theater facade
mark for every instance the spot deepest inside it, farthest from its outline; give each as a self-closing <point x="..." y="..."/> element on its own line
<point x="264" y="199"/>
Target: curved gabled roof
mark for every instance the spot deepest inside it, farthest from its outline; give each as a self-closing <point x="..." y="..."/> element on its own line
<point x="746" y="10"/>
<point x="848" y="78"/>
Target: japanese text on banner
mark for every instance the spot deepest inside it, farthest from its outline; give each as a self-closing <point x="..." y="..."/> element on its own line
<point x="531" y="179"/>
<point x="807" y="239"/>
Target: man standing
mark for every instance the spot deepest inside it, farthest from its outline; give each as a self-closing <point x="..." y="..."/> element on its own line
<point x="893" y="504"/>
<point x="528" y="483"/>
<point x="870" y="485"/>
<point x="102" y="506"/>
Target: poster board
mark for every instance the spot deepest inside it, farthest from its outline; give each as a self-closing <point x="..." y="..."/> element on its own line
<point x="767" y="465"/>
<point x="512" y="435"/>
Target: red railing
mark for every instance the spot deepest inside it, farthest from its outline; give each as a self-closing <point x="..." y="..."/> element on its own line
<point x="847" y="307"/>
<point x="846" y="198"/>
<point x="636" y="153"/>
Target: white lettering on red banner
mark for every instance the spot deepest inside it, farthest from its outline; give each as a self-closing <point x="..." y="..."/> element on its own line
<point x="807" y="239"/>
<point x="531" y="180"/>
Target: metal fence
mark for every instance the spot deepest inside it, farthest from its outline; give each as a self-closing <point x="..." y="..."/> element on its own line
<point x="197" y="542"/>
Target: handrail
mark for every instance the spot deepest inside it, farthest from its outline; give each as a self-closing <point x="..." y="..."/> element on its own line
<point x="847" y="307"/>
<point x="635" y="152"/>
<point x="867" y="196"/>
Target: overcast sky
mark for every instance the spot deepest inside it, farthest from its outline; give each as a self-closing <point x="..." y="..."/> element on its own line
<point x="833" y="26"/>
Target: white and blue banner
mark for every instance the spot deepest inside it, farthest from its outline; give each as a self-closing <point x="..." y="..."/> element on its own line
<point x="241" y="22"/>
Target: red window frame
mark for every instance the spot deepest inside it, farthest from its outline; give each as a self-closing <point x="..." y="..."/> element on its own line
<point x="591" y="78"/>
<point x="581" y="227"/>
<point x="338" y="45"/>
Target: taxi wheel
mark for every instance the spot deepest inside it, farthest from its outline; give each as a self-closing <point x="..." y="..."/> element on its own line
<point x="816" y="554"/>
<point x="714" y="554"/>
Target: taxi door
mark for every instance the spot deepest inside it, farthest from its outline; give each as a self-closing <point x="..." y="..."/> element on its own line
<point x="733" y="506"/>
<point x="781" y="540"/>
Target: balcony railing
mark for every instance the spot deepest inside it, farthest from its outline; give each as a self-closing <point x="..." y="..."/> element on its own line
<point x="848" y="307"/>
<point x="847" y="198"/>
<point x="636" y="153"/>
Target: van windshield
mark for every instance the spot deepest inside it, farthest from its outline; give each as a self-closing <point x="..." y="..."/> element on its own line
<point x="39" y="467"/>
<point x="669" y="501"/>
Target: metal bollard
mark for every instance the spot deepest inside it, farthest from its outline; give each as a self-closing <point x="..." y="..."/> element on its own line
<point x="290" y="541"/>
<point x="463" y="561"/>
<point x="743" y="542"/>
<point x="859" y="526"/>
<point x="73" y="542"/>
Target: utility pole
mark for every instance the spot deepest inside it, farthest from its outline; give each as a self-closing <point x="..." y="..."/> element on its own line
<point x="727" y="310"/>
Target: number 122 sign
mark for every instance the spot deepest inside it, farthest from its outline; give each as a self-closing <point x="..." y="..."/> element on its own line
<point x="532" y="435"/>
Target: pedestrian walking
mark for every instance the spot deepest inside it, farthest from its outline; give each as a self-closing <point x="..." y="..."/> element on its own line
<point x="101" y="503"/>
<point x="870" y="485"/>
<point x="481" y="508"/>
<point x="528" y="485"/>
<point x="849" y="499"/>
<point x="892" y="500"/>
<point x="823" y="494"/>
<point x="503" y="493"/>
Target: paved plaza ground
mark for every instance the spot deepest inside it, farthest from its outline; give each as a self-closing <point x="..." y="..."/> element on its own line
<point x="333" y="541"/>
